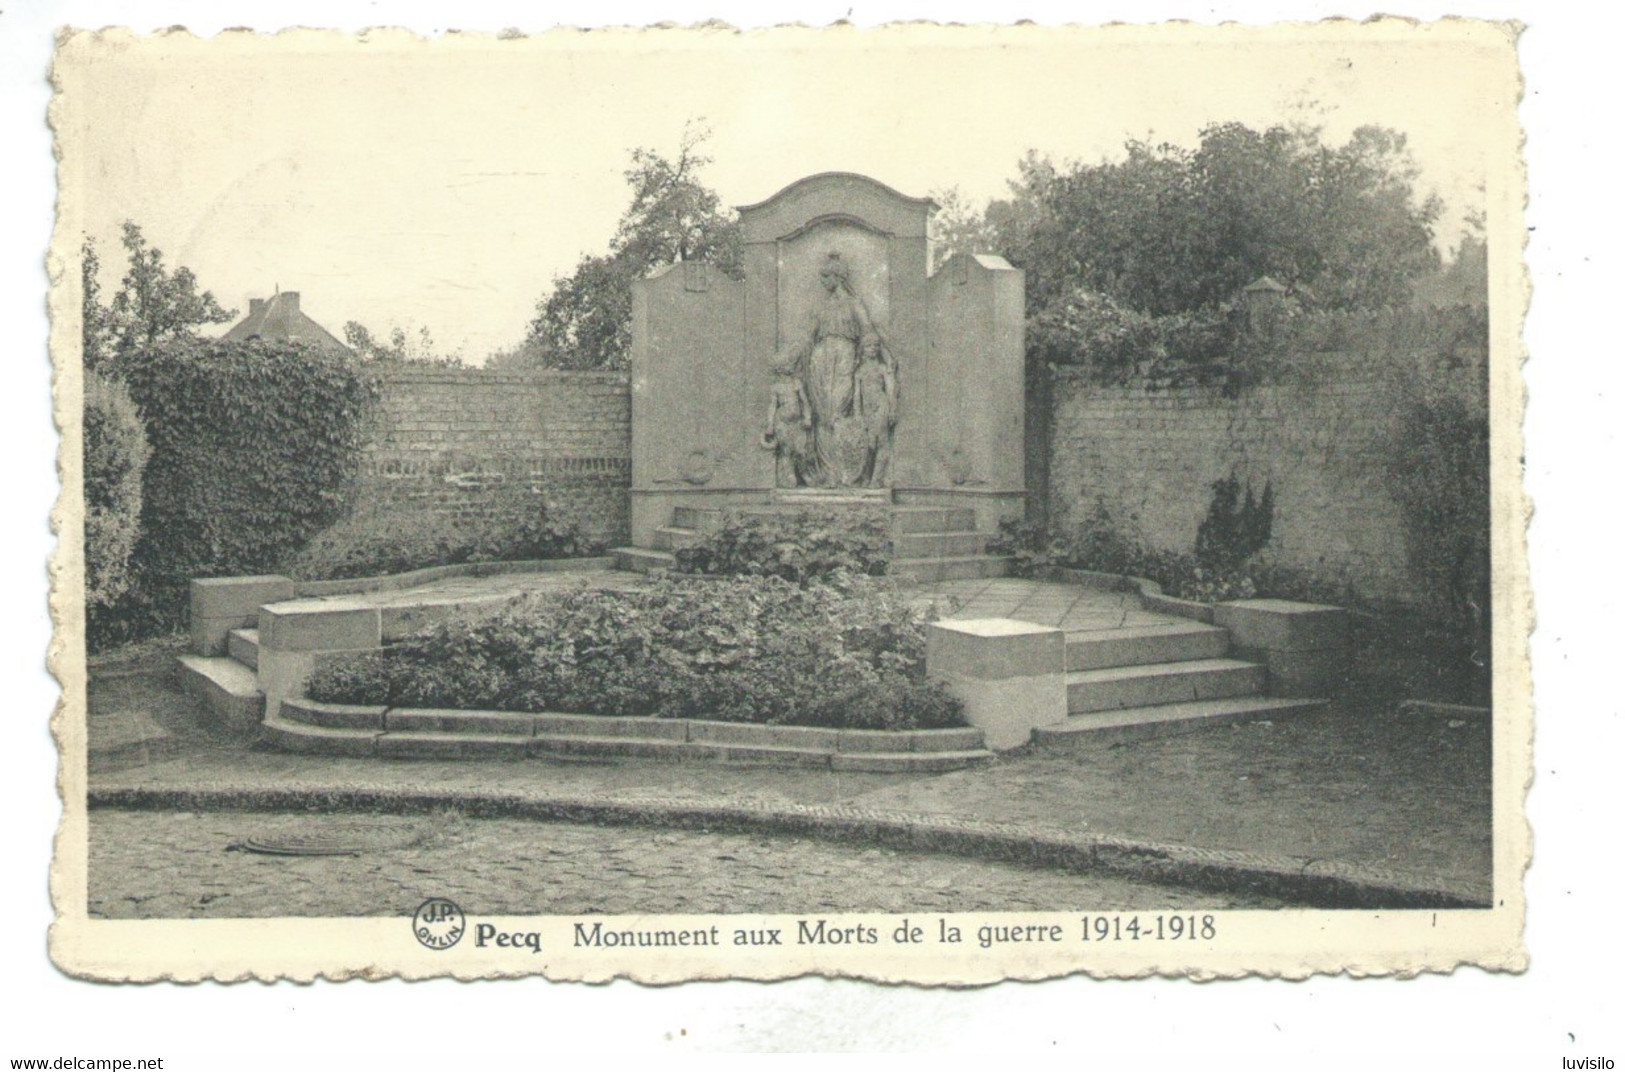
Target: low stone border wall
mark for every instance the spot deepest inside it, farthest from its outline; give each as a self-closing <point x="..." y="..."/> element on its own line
<point x="1320" y="883"/>
<point x="538" y="723"/>
<point x="305" y="725"/>
<point x="391" y="582"/>
<point x="221" y="604"/>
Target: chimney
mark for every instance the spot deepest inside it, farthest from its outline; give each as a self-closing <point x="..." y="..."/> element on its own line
<point x="256" y="306"/>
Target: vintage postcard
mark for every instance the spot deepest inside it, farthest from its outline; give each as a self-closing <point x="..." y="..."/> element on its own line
<point x="927" y="504"/>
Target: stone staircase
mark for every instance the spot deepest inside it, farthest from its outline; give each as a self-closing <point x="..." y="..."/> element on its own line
<point x="930" y="543"/>
<point x="227" y="685"/>
<point x="1132" y="684"/>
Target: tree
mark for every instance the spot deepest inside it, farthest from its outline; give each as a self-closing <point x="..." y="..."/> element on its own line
<point x="153" y="304"/>
<point x="402" y="348"/>
<point x="96" y="322"/>
<point x="1170" y="230"/>
<point x="586" y="321"/>
<point x="958" y="227"/>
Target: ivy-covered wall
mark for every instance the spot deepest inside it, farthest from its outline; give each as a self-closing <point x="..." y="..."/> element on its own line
<point x="438" y="436"/>
<point x="1326" y="430"/>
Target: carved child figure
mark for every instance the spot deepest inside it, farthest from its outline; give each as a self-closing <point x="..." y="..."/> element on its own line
<point x="789" y="425"/>
<point x="874" y="401"/>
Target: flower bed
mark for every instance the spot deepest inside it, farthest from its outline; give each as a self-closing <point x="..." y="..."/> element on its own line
<point x="801" y="547"/>
<point x="848" y="654"/>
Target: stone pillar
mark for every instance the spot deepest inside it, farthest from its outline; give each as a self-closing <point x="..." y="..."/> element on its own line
<point x="1011" y="675"/>
<point x="699" y="400"/>
<point x="1304" y="645"/>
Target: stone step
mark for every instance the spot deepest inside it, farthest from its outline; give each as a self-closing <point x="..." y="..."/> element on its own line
<point x="642" y="559"/>
<point x="918" y="570"/>
<point x="939" y="544"/>
<point x="1106" y="728"/>
<point x="905" y="544"/>
<point x="673" y="538"/>
<point x="1175" y="642"/>
<point x="228" y="688"/>
<point x="1161" y="683"/>
<point x="909" y="519"/>
<point x="954" y="568"/>
<point x="904" y="519"/>
<point x="244" y="646"/>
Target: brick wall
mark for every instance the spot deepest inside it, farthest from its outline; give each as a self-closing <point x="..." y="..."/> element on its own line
<point x="440" y="436"/>
<point x="1318" y="436"/>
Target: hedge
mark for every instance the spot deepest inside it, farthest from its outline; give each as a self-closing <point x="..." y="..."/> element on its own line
<point x="115" y="460"/>
<point x="254" y="447"/>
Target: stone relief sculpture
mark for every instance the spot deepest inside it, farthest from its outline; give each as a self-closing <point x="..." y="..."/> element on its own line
<point x="848" y="383"/>
<point x="789" y="425"/>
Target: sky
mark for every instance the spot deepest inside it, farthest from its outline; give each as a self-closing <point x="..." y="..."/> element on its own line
<point x="397" y="183"/>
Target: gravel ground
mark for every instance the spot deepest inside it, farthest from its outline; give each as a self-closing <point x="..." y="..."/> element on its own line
<point x="513" y="867"/>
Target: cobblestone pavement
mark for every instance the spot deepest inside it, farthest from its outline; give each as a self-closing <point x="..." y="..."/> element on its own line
<point x="514" y="867"/>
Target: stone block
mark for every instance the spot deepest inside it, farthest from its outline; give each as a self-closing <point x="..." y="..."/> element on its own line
<point x="221" y="604"/>
<point x="319" y="625"/>
<point x="1282" y="625"/>
<point x="238" y="597"/>
<point x="1010" y="675"/>
<point x="993" y="648"/>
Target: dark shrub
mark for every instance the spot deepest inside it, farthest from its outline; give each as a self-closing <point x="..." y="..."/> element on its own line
<point x="1438" y="473"/>
<point x="798" y="547"/>
<point x="1235" y="529"/>
<point x="745" y="649"/>
<point x="115" y="459"/>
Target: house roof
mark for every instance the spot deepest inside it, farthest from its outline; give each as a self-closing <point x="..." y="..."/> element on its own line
<point x="278" y="318"/>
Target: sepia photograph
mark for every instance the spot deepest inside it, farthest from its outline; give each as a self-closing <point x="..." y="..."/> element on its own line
<point x="932" y="530"/>
<point x="766" y="502"/>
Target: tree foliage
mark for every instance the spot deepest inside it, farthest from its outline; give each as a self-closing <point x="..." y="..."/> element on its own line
<point x="401" y="348"/>
<point x="585" y="322"/>
<point x="1168" y="229"/>
<point x="153" y="304"/>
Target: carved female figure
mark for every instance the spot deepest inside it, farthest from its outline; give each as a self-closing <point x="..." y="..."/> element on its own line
<point x="842" y="335"/>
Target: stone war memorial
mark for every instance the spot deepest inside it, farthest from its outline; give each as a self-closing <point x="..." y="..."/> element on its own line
<point x="839" y="374"/>
<point x="839" y="379"/>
